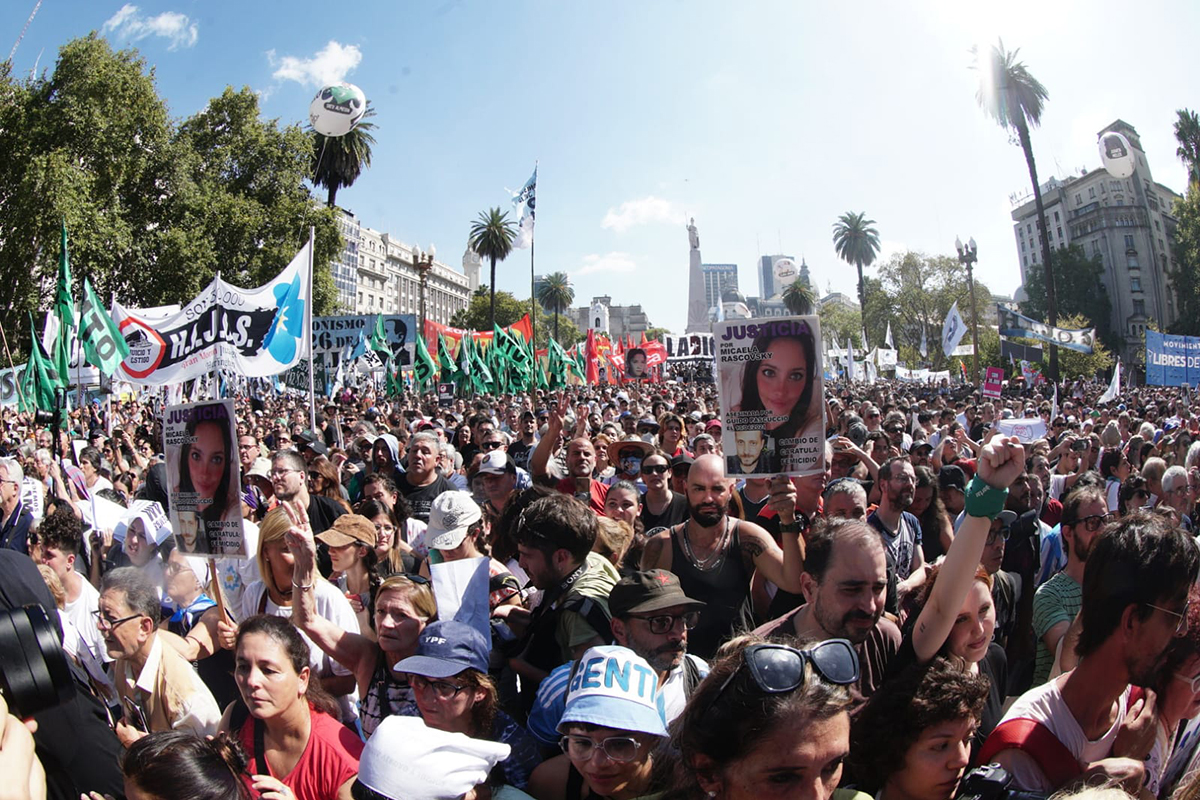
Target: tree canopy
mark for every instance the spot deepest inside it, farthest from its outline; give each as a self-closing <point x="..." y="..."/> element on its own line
<point x="477" y="316"/>
<point x="1079" y="280"/>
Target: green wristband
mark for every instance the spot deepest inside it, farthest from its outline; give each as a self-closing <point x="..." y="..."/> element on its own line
<point x="983" y="500"/>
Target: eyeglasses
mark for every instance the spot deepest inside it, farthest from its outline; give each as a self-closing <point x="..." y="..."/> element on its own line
<point x="655" y="469"/>
<point x="1182" y="624"/>
<point x="777" y="668"/>
<point x="1001" y="534"/>
<point x="442" y="690"/>
<point x="665" y="623"/>
<point x="893" y="429"/>
<point x="1193" y="683"/>
<point x="106" y="624"/>
<point x="1092" y="522"/>
<point x="619" y="749"/>
<point x="279" y="473"/>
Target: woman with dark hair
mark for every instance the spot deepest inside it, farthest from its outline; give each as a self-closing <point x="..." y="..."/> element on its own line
<point x="178" y="765"/>
<point x="393" y="554"/>
<point x="1115" y="468"/>
<point x="205" y="483"/>
<point x="912" y="740"/>
<point x="286" y="722"/>
<point x="1134" y="495"/>
<point x="323" y="480"/>
<point x="781" y="386"/>
<point x="770" y="721"/>
<point x="937" y="531"/>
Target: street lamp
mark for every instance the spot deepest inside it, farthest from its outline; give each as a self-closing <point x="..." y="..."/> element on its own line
<point x="423" y="263"/>
<point x="968" y="254"/>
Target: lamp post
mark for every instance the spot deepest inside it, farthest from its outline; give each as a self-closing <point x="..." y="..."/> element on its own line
<point x="423" y="263"/>
<point x="968" y="254"/>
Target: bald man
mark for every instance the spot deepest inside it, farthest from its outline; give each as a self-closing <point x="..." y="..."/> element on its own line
<point x="715" y="555"/>
<point x="581" y="460"/>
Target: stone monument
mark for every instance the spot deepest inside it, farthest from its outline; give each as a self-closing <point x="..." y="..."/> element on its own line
<point x="697" y="318"/>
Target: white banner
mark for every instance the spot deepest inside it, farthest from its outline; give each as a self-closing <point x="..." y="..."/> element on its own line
<point x="1027" y="430"/>
<point x="254" y="332"/>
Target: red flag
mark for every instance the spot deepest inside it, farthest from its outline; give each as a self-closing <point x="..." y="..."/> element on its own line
<point x="642" y="343"/>
<point x="592" y="357"/>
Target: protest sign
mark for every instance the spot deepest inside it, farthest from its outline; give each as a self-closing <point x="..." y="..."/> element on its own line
<point x="993" y="381"/>
<point x="204" y="478"/>
<point x="769" y="378"/>
<point x="1172" y="360"/>
<point x="635" y="364"/>
<point x="332" y="335"/>
<point x="1027" y="430"/>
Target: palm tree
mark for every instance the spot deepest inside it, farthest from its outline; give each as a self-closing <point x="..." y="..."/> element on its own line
<point x="799" y="297"/>
<point x="857" y="242"/>
<point x="1187" y="133"/>
<point x="492" y="236"/>
<point x="338" y="161"/>
<point x="556" y="295"/>
<point x="1014" y="99"/>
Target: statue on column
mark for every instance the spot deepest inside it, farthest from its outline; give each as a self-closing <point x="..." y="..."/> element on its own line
<point x="697" y="319"/>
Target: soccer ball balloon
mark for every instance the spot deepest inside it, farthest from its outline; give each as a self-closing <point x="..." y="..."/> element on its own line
<point x="337" y="109"/>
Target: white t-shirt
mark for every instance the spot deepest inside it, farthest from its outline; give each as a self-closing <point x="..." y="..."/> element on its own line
<point x="1057" y="482"/>
<point x="331" y="605"/>
<point x="80" y="613"/>
<point x="1045" y="704"/>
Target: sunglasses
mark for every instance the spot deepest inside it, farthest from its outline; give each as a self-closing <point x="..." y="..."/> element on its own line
<point x="491" y="445"/>
<point x="893" y="430"/>
<point x="1092" y="522"/>
<point x="655" y="469"/>
<point x="1001" y="535"/>
<point x="777" y="668"/>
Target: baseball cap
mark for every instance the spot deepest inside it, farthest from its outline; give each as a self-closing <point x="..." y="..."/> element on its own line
<point x="922" y="445"/>
<point x="317" y="446"/>
<point x="447" y="648"/>
<point x="682" y="460"/>
<point x="406" y="760"/>
<point x="348" y="529"/>
<point x="713" y="423"/>
<point x="952" y="477"/>
<point x="857" y="433"/>
<point x="1007" y="518"/>
<point x="652" y="590"/>
<point x="614" y="687"/>
<point x="648" y="422"/>
<point x="497" y="462"/>
<point x="449" y="517"/>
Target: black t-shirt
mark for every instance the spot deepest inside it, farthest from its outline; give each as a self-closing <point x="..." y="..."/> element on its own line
<point x="675" y="513"/>
<point x="322" y="511"/>
<point x="520" y="452"/>
<point x="420" y="498"/>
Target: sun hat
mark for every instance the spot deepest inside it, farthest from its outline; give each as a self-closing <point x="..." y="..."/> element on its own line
<point x="349" y="529"/>
<point x="614" y="687"/>
<point x="446" y="648"/>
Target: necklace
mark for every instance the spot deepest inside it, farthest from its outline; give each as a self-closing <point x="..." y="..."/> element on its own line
<point x="715" y="559"/>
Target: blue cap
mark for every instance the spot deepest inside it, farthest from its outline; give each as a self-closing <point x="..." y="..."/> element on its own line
<point x="614" y="687"/>
<point x="446" y="649"/>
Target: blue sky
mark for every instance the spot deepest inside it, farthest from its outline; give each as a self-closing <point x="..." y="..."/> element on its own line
<point x="763" y="120"/>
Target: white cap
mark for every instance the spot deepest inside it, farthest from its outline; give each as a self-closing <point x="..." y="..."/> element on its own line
<point x="494" y="463"/>
<point x="449" y="517"/>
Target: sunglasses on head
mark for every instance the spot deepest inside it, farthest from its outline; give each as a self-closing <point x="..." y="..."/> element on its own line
<point x="777" y="668"/>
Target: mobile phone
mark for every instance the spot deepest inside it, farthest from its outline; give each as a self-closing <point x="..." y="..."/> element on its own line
<point x="1080" y="445"/>
<point x="134" y="715"/>
<point x="583" y="489"/>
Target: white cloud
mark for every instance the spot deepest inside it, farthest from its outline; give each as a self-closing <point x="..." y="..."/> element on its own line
<point x="130" y="25"/>
<point x="641" y="212"/>
<point x="332" y="63"/>
<point x="607" y="263"/>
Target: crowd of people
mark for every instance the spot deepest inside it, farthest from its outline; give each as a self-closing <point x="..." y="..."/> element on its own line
<point x="577" y="595"/>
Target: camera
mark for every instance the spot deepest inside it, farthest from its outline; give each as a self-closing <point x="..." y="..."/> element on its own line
<point x="34" y="674"/>
<point x="991" y="782"/>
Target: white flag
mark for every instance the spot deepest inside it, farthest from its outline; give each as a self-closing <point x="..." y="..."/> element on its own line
<point x="525" y="203"/>
<point x="887" y="339"/>
<point x="865" y="346"/>
<point x="1114" y="387"/>
<point x="924" y="345"/>
<point x="952" y="330"/>
<point x="1054" y="404"/>
<point x="849" y="358"/>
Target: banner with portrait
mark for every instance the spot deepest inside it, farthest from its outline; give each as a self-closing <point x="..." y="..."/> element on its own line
<point x="769" y="374"/>
<point x="203" y="478"/>
<point x="333" y="335"/>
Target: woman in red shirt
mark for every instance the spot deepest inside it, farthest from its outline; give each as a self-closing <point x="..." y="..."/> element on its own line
<point x="288" y="725"/>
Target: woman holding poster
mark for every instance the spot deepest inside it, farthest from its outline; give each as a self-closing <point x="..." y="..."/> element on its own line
<point x="205" y="504"/>
<point x="780" y="374"/>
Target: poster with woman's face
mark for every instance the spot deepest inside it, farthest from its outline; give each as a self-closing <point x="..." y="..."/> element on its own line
<point x="769" y="375"/>
<point x="635" y="364"/>
<point x="204" y="478"/>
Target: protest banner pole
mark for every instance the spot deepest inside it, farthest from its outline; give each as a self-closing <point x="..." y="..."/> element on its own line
<point x="308" y="333"/>
<point x="215" y="579"/>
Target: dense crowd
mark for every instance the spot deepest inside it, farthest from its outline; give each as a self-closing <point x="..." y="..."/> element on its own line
<point x="627" y="617"/>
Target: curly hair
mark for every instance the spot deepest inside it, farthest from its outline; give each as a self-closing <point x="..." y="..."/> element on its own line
<point x="897" y="714"/>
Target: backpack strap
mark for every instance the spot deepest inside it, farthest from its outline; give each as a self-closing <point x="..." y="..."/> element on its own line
<point x="691" y="676"/>
<point x="1035" y="740"/>
<point x="596" y="615"/>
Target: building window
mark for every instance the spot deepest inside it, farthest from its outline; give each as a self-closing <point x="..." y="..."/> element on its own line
<point x="1059" y="231"/>
<point x="1056" y="216"/>
<point x="1135" y="284"/>
<point x="1078" y="199"/>
<point x="1139" y="307"/>
<point x="1128" y="242"/>
<point x="1157" y="227"/>
<point x="1131" y="262"/>
<point x="1025" y="260"/>
<point x="1091" y="192"/>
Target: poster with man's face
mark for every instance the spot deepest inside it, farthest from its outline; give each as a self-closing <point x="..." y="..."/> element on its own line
<point x="204" y="479"/>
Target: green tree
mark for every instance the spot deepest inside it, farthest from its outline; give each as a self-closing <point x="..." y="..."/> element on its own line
<point x="838" y="323"/>
<point x="492" y="236"/>
<point x="1187" y="133"/>
<point x="799" y="297"/>
<point x="1015" y="99"/>
<point x="1079" y="280"/>
<point x="556" y="295"/>
<point x="656" y="334"/>
<point x="1185" y="270"/>
<point x="566" y="334"/>
<point x="338" y="161"/>
<point x="857" y="242"/>
<point x="1074" y="364"/>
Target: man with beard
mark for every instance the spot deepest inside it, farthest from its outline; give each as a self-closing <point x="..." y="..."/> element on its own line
<point x="1135" y="601"/>
<point x="845" y="589"/>
<point x="715" y="555"/>
<point x="901" y="531"/>
<point x="651" y="616"/>
<point x="581" y="462"/>
<point x="1058" y="600"/>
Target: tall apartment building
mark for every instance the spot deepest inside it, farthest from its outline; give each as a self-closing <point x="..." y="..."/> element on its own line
<point x="1126" y="222"/>
<point x="718" y="278"/>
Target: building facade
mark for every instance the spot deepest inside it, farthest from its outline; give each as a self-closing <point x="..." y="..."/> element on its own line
<point x="718" y="278"/>
<point x="602" y="315"/>
<point x="345" y="265"/>
<point x="1126" y="223"/>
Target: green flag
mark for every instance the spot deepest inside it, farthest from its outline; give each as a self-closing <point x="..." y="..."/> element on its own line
<point x="481" y="375"/>
<point x="379" y="340"/>
<point x="423" y="369"/>
<point x="393" y="385"/>
<point x="103" y="345"/>
<point x="446" y="360"/>
<point x="64" y="310"/>
<point x="39" y="379"/>
<point x="558" y="366"/>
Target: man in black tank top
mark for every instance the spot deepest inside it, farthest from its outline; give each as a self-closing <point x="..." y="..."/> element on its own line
<point x="715" y="555"/>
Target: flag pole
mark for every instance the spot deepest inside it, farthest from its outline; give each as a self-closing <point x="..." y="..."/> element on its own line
<point x="308" y="323"/>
